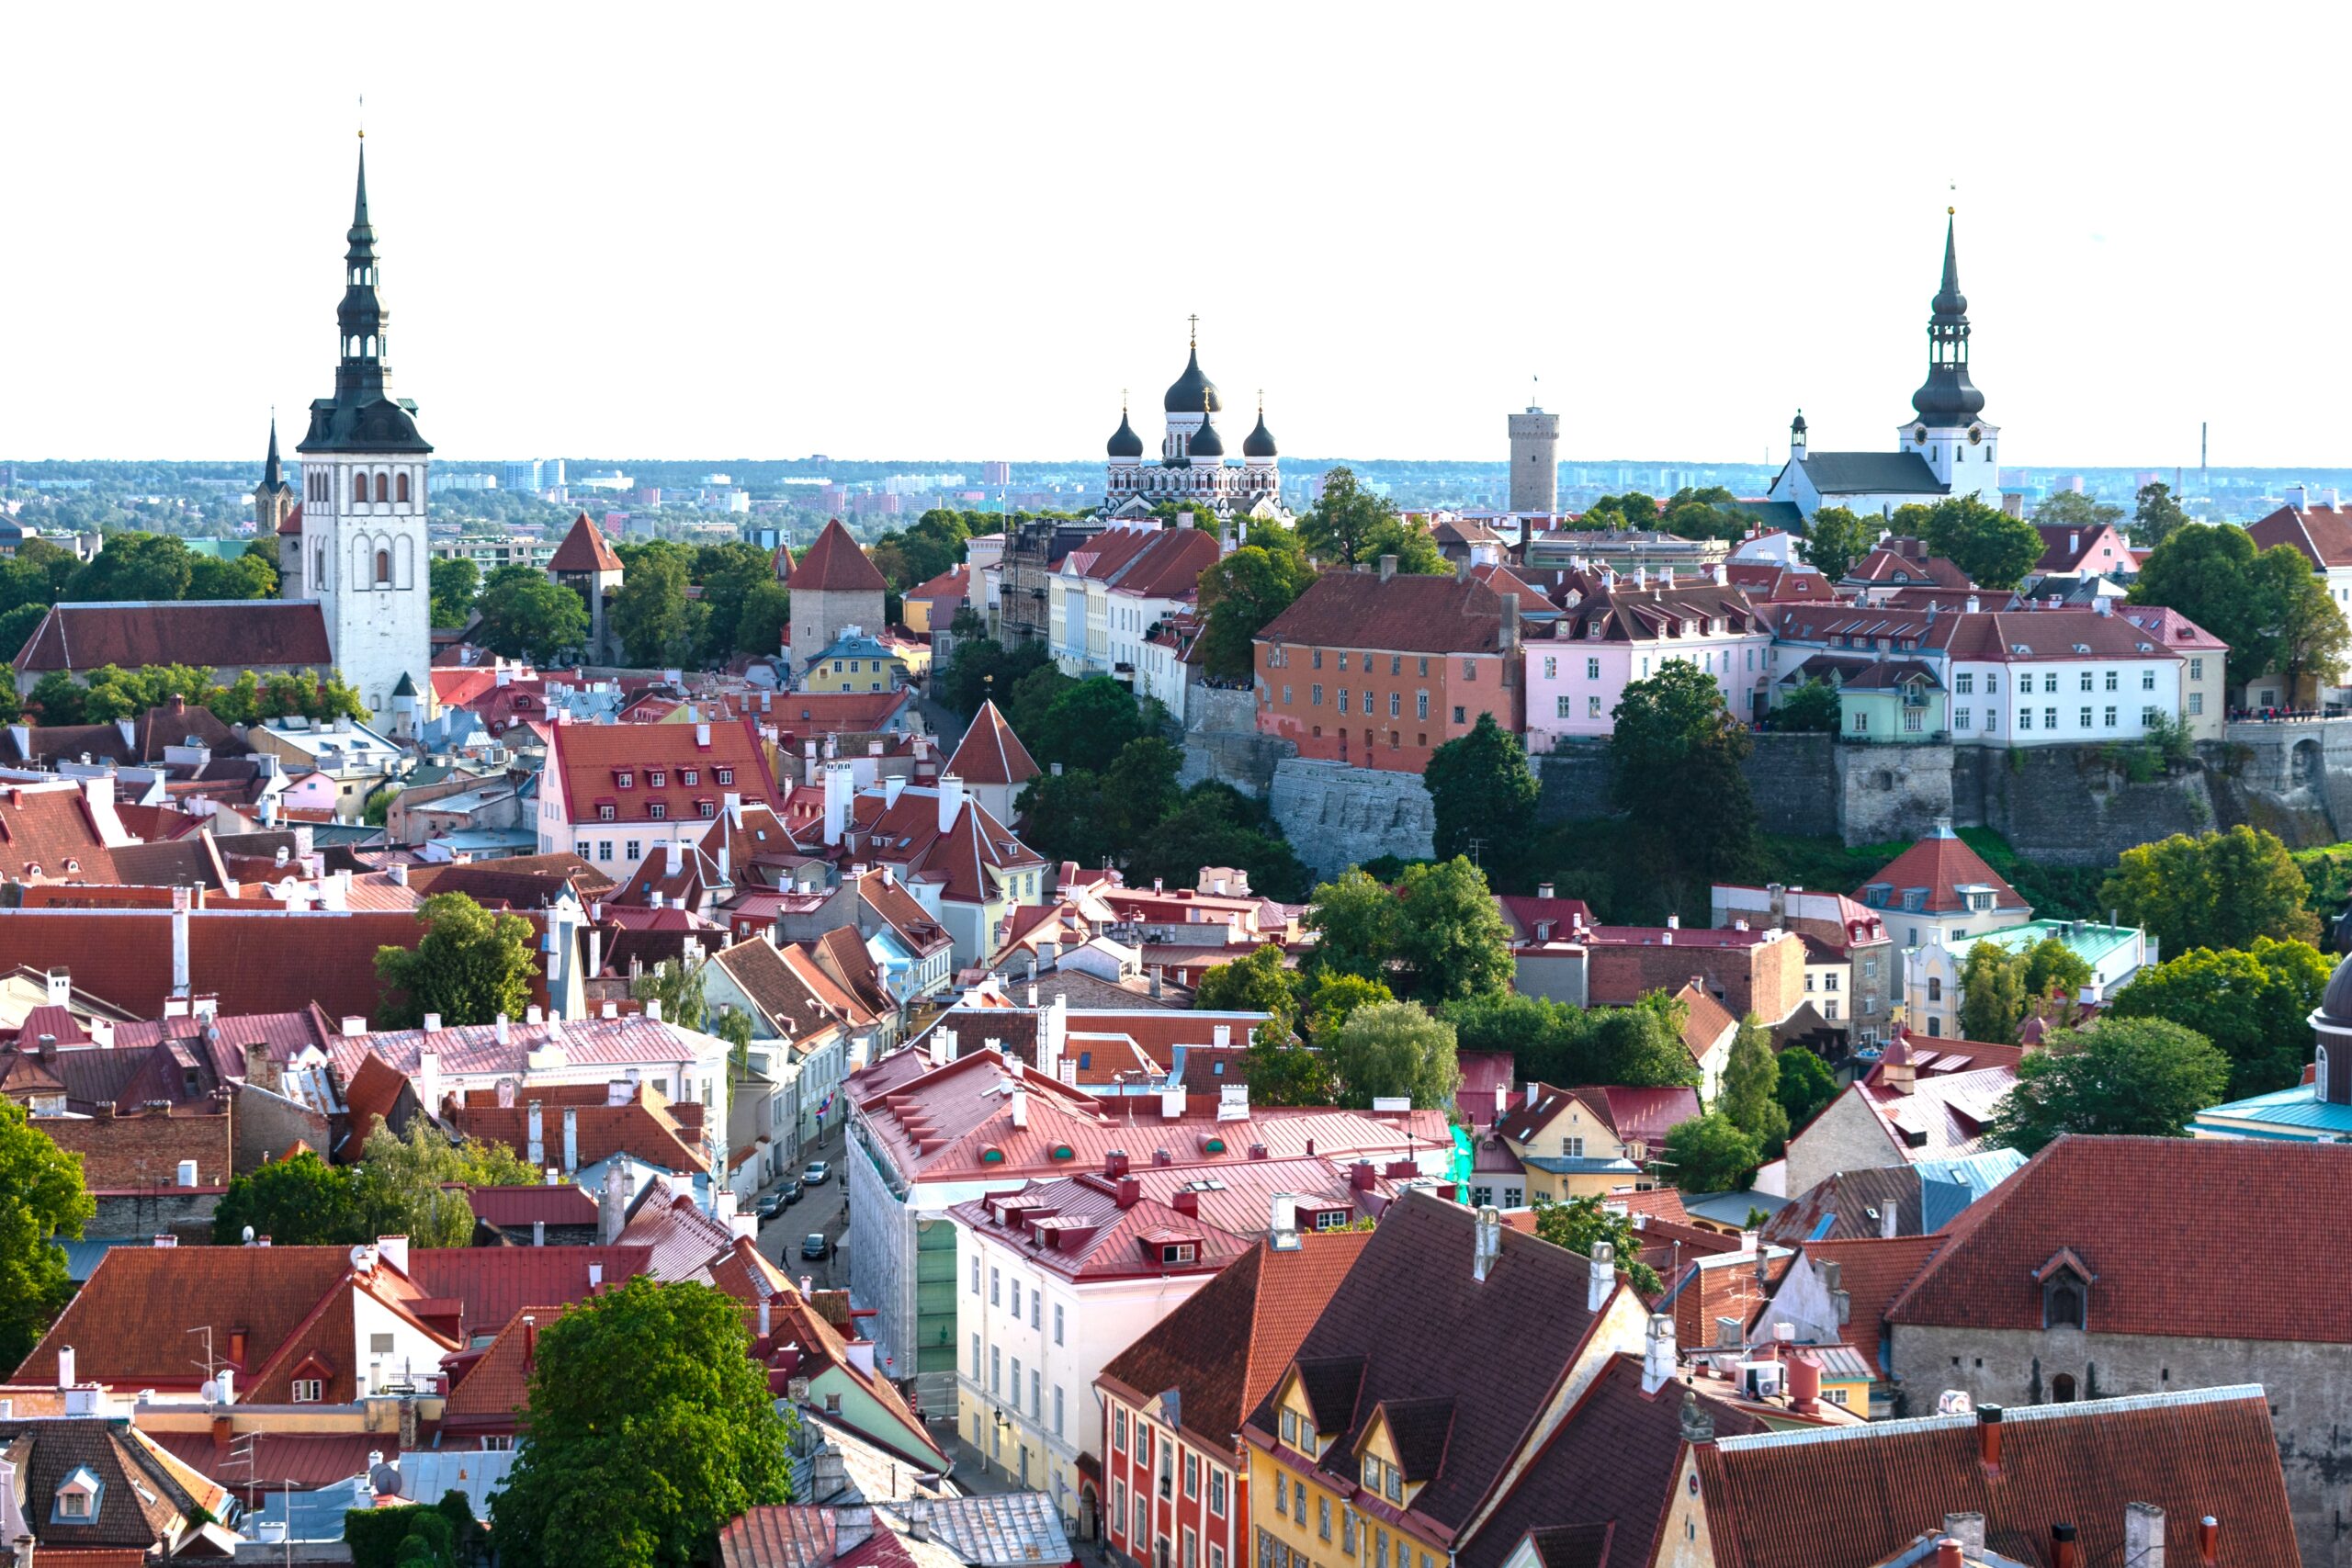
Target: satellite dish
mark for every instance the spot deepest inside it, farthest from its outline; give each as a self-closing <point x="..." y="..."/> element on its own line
<point x="359" y="1256"/>
<point x="249" y="1236"/>
<point x="210" y="1393"/>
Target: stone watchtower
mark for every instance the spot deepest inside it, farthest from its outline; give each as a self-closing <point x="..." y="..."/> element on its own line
<point x="1535" y="461"/>
<point x="584" y="563"/>
<point x="835" y="587"/>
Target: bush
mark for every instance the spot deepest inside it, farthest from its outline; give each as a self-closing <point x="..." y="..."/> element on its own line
<point x="386" y="1537"/>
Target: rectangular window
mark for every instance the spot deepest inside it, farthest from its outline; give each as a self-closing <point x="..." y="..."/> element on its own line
<point x="1037" y="1392"/>
<point x="1285" y="696"/>
<point x="2197" y="670"/>
<point x="1191" y="1475"/>
<point x="726" y="775"/>
<point x="1290" y="1428"/>
<point x="2050" y="680"/>
<point x="1592" y="669"/>
<point x="976" y="1276"/>
<point x="309" y="1391"/>
<point x="1057" y="1323"/>
<point x="1347" y="1533"/>
<point x="1344" y="661"/>
<point x="1393" y="1479"/>
<point x="1317" y="658"/>
<point x="1217" y="1490"/>
<point x="1425" y="665"/>
<point x="996" y="1369"/>
<point x="634" y="852"/>
<point x="1458" y="718"/>
<point x="1469" y="668"/>
<point x="2196" y="702"/>
<point x="1037" y="1307"/>
<point x="1016" y="1299"/>
<point x="1396" y="705"/>
<point x="1395" y="664"/>
<point x="996" y="1287"/>
<point x="1323" y="1517"/>
<point x="2113" y="676"/>
<point x="1566" y="705"/>
<point x="1344" y="694"/>
<point x="1551" y="669"/>
<point x="1191" y="1549"/>
<point x="1315" y="694"/>
<point x="605" y="850"/>
<point x="2087" y="680"/>
<point x="1421" y="705"/>
<point x="605" y="814"/>
<point x="1119" y="1428"/>
<point x="2109" y="715"/>
<point x="1959" y="718"/>
<point x="2147" y="680"/>
<point x="975" y="1358"/>
<point x="2086" y="718"/>
<point x="1965" y="684"/>
<point x="657" y="810"/>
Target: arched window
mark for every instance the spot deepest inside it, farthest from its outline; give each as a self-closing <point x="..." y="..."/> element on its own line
<point x="399" y="487"/>
<point x="2062" y="1389"/>
<point x="359" y="487"/>
<point x="383" y="568"/>
<point x="1935" y="989"/>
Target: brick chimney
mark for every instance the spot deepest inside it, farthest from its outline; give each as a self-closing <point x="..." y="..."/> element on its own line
<point x="1988" y="1436"/>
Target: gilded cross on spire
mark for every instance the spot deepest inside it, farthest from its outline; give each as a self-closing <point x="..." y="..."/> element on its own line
<point x="363" y="117"/>
<point x="1195" y="321"/>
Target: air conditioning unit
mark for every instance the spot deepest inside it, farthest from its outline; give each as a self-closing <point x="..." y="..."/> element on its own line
<point x="1760" y="1379"/>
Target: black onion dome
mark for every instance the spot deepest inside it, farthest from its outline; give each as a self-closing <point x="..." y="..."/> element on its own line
<point x="1192" y="390"/>
<point x="1947" y="397"/>
<point x="1259" y="442"/>
<point x="1796" y="426"/>
<point x="2336" y="1004"/>
<point x="1205" y="441"/>
<point x="1124" y="442"/>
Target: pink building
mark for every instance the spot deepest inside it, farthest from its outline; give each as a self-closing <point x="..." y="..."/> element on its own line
<point x="1619" y="629"/>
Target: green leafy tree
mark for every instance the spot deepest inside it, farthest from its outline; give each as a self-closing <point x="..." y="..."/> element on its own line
<point x="679" y="990"/>
<point x="649" y="1427"/>
<point x="1031" y="698"/>
<point x="1631" y="510"/>
<point x="1835" y="539"/>
<point x="2215" y="890"/>
<point x="470" y="967"/>
<point x="728" y="575"/>
<point x="302" y="1202"/>
<point x="1751" y="1088"/>
<point x="1354" y="920"/>
<point x="2141" y="1076"/>
<point x="649" y="614"/>
<point x="981" y="669"/>
<point x="1641" y="1046"/>
<point x="1535" y="1031"/>
<point x="2054" y="969"/>
<point x="407" y="1186"/>
<point x="1334" y="998"/>
<point x="1241" y="593"/>
<point x="2254" y="1003"/>
<point x="2157" y="517"/>
<point x="1582" y="1224"/>
<point x="378" y="810"/>
<point x="134" y="565"/>
<point x="1994" y="548"/>
<point x="2073" y="509"/>
<point x="1805" y="1087"/>
<point x="1256" y="983"/>
<point x="1711" y="1153"/>
<point x="2267" y="605"/>
<point x="17" y="625"/>
<point x="1280" y="1071"/>
<point x="527" y="616"/>
<point x="1089" y="723"/>
<point x="455" y="582"/>
<point x="1449" y="937"/>
<point x="1482" y="789"/>
<point x="481" y="1163"/>
<point x="1416" y="552"/>
<point x="2306" y="623"/>
<point x="58" y="698"/>
<point x="238" y="577"/>
<point x="1341" y="525"/>
<point x="1394" y="1049"/>
<point x="1214" y="824"/>
<point x="734" y="1026"/>
<point x="764" y="618"/>
<point x="1675" y="761"/>
<point x="1813" y="708"/>
<point x="42" y="1203"/>
<point x="1992" y="993"/>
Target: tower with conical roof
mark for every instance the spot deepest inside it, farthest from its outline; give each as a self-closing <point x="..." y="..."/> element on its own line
<point x="1946" y="428"/>
<point x="365" y="470"/>
<point x="273" y="498"/>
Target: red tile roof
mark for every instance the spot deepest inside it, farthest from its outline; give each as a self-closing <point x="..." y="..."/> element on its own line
<point x="1406" y="613"/>
<point x="2193" y="1453"/>
<point x="954" y="584"/>
<point x="494" y="1387"/>
<point x="1943" y="863"/>
<point x="805" y="714"/>
<point x="584" y="549"/>
<point x="495" y="1282"/>
<point x="2171" y="627"/>
<point x="47" y="832"/>
<point x="1873" y="1271"/>
<point x="2323" y="534"/>
<point x="2065" y="548"/>
<point x="563" y="1204"/>
<point x="642" y="1129"/>
<point x="991" y="753"/>
<point x="590" y="760"/>
<point x="907" y="837"/>
<point x="1766" y="584"/>
<point x="1886" y="566"/>
<point x="1226" y="1346"/>
<point x="2139" y="1211"/>
<point x="213" y="634"/>
<point x="835" y="565"/>
<point x="679" y="1238"/>
<point x="2044" y="635"/>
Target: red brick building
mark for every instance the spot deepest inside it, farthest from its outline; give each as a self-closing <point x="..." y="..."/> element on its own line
<point x="1377" y="670"/>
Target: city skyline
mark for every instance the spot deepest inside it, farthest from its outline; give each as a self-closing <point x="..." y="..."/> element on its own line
<point x="933" y="255"/>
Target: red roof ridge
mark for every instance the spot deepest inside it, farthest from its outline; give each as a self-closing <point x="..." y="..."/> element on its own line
<point x="834" y="564"/>
<point x="584" y="549"/>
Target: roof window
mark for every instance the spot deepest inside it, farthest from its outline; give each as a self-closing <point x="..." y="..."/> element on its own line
<point x="623" y="779"/>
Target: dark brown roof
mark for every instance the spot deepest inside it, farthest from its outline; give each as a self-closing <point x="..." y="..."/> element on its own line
<point x="1406" y="615"/>
<point x="145" y="1497"/>
<point x="835" y="565"/>
<point x="523" y="882"/>
<point x="214" y="634"/>
<point x="584" y="549"/>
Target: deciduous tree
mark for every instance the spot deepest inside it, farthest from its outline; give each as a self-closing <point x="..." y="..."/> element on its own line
<point x="1992" y="994"/>
<point x="1996" y="549"/>
<point x="1483" y="793"/>
<point x="1711" y="1153"/>
<point x="1813" y="708"/>
<point x="2073" y="509"/>
<point x="2253" y="1003"/>
<point x="455" y="581"/>
<point x="1341" y="525"/>
<point x="1241" y="593"/>
<point x="470" y="967"/>
<point x="2215" y="890"/>
<point x="1806" y="1086"/>
<point x="1255" y="983"/>
<point x="650" y="615"/>
<point x="1582" y="1224"/>
<point x="1835" y="539"/>
<point x="302" y="1202"/>
<point x="2157" y="517"/>
<point x="1751" y="1088"/>
<point x="1280" y="1071"/>
<point x="2141" y="1077"/>
<point x="1394" y="1049"/>
<point x="42" y="1202"/>
<point x="525" y="615"/>
<point x="1675" y="760"/>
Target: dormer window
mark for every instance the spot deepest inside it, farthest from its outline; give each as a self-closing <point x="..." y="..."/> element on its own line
<point x="309" y="1391"/>
<point x="2066" y="1283"/>
<point x="656" y="779"/>
<point x="689" y="777"/>
<point x="1176" y="1252"/>
<point x="606" y="813"/>
<point x="657" y="811"/>
<point x="625" y="779"/>
<point x="726" y="775"/>
<point x="706" y="808"/>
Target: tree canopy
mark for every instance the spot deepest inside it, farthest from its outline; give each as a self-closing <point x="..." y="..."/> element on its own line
<point x="649" y="1427"/>
<point x="2254" y="1003"/>
<point x="1711" y="1153"/>
<point x="1552" y="1042"/>
<point x="301" y="1201"/>
<point x="650" y="614"/>
<point x="1806" y="1086"/>
<point x="470" y="967"/>
<point x="1675" y="760"/>
<point x="1835" y="539"/>
<point x="1242" y="591"/>
<point x="1992" y="994"/>
<point x="1483" y="792"/>
<point x="526" y="614"/>
<point x="42" y="1202"/>
<point x="455" y="581"/>
<point x="1582" y="1224"/>
<point x="1996" y="549"/>
<point x="2139" y="1075"/>
<point x="1394" y="1049"/>
<point x="1257" y="982"/>
<point x="1751" y="1088"/>
<point x="2073" y="509"/>
<point x="1350" y="525"/>
<point x="2216" y="890"/>
<point x="2274" y="613"/>
<point x="1436" y="936"/>
<point x="2157" y="517"/>
<point x="1813" y="707"/>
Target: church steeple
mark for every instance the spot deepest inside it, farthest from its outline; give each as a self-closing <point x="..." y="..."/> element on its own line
<point x="1947" y="397"/>
<point x="273" y="477"/>
<point x="363" y="415"/>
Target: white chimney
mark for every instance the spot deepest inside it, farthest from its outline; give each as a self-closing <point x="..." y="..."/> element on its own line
<point x="1604" y="1275"/>
<point x="393" y="1249"/>
<point x="65" y="1366"/>
<point x="1020" y="1109"/>
<point x="428" y="1071"/>
<point x="500" y="1028"/>
<point x="893" y="785"/>
<point x="1486" y="1243"/>
<point x="841" y="783"/>
<point x="571" y="1138"/>
<point x="861" y="1355"/>
<point x="951" y="800"/>
<point x="1659" y="1360"/>
<point x="538" y="1154"/>
<point x="227" y="1377"/>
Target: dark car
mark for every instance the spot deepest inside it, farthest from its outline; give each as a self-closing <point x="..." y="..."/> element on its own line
<point x="771" y="1206"/>
<point x="788" y="1191"/>
<point x="812" y="1245"/>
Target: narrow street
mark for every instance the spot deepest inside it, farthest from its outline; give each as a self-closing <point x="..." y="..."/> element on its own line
<point x="822" y="1209"/>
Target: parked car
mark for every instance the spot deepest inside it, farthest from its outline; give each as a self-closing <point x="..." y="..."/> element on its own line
<point x="771" y="1206"/>
<point x="816" y="1174"/>
<point x="789" y="1190"/>
<point x="812" y="1245"/>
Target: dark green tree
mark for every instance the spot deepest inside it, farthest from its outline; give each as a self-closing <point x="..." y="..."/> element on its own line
<point x="728" y="575"/>
<point x="1580" y="1223"/>
<point x="1813" y="707"/>
<point x="2206" y="572"/>
<point x="2054" y="969"/>
<point x="1393" y="1050"/>
<point x="1338" y="527"/>
<point x="1256" y="983"/>
<point x="134" y="565"/>
<point x="1089" y="723"/>
<point x="1280" y="1071"/>
<point x="455" y="581"/>
<point x="1751" y="1088"/>
<point x="1482" y="790"/>
<point x="2215" y="890"/>
<point x="1835" y="539"/>
<point x="2073" y="509"/>
<point x="2255" y="1004"/>
<point x="983" y="668"/>
<point x="649" y="612"/>
<point x="2307" y="624"/>
<point x="1355" y="922"/>
<point x="17" y="626"/>
<point x="525" y="615"/>
<point x="1675" y="759"/>
<point x="2158" y="516"/>
<point x="1992" y="994"/>
<point x="763" y="618"/>
<point x="1994" y="548"/>
<point x="1450" y="940"/>
<point x="1214" y="824"/>
<point x="42" y="1202"/>
<point x="1711" y="1153"/>
<point x="1243" y="592"/>
<point x="1631" y="510"/>
<point x="244" y="576"/>
<point x="470" y="967"/>
<point x="679" y="989"/>
<point x="649" y="1427"/>
<point x="1806" y="1086"/>
<point x="1334" y="998"/>
<point x="302" y="1202"/>
<point x="2140" y="1077"/>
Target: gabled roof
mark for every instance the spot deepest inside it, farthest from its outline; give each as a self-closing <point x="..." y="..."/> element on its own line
<point x="2132" y="1209"/>
<point x="1873" y="1271"/>
<point x="584" y="549"/>
<point x="1223" y="1349"/>
<point x="955" y="583"/>
<point x="2065" y="548"/>
<point x="907" y="836"/>
<point x="834" y="564"/>
<point x="797" y="999"/>
<point x="146" y="1501"/>
<point x="1871" y="473"/>
<point x="1885" y="565"/>
<point x="2192" y="1454"/>
<point x="2323" y="534"/>
<point x="643" y="1129"/>
<point x="1943" y="863"/>
<point x="1405" y="614"/>
<point x="213" y="634"/>
<point x="991" y="753"/>
<point x="590" y="760"/>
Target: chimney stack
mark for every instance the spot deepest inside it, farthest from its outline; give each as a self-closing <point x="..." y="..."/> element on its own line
<point x="1603" y="1278"/>
<point x="2208" y="1541"/>
<point x="1948" y="1554"/>
<point x="2065" y="1552"/>
<point x="2144" y="1535"/>
<point x="1988" y="1435"/>
<point x="1487" y="1246"/>
<point x="1387" y="567"/>
<point x="1658" y="1358"/>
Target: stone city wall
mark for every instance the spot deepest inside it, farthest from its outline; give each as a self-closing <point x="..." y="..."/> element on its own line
<point x="1336" y="817"/>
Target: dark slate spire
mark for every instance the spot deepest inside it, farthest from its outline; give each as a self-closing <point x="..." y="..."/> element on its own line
<point x="1947" y="397"/>
<point x="1191" y="390"/>
<point x="1205" y="441"/>
<point x="271" y="474"/>
<point x="363" y="415"/>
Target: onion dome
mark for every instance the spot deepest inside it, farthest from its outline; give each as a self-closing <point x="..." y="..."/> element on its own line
<point x="1191" y="390"/>
<point x="1259" y="442"/>
<point x="2335" y="1003"/>
<point x="1124" y="442"/>
<point x="1947" y="397"/>
<point x="1796" y="426"/>
<point x="1205" y="441"/>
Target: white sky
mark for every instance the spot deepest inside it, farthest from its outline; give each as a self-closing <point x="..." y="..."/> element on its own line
<point x="914" y="231"/>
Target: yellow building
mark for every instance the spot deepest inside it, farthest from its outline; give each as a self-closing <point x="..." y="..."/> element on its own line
<point x="855" y="662"/>
<point x="1588" y="1142"/>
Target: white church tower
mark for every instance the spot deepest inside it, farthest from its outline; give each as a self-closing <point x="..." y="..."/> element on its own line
<point x="1948" y="430"/>
<point x="364" y="467"/>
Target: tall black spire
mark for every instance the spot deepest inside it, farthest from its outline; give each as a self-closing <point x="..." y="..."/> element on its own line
<point x="272" y="477"/>
<point x="363" y="415"/>
<point x="1947" y="397"/>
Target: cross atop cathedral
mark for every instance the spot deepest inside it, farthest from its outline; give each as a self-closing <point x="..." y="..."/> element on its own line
<point x="1195" y="321"/>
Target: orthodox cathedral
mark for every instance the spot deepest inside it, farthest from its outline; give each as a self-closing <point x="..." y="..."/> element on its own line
<point x="1945" y="449"/>
<point x="355" y="541"/>
<point x="1193" y="466"/>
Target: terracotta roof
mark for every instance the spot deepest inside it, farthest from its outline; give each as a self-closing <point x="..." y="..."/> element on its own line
<point x="588" y="761"/>
<point x="495" y="1282"/>
<point x="834" y="564"/>
<point x="524" y="882"/>
<point x="807" y="714"/>
<point x="146" y="1500"/>
<point x="955" y="583"/>
<point x="643" y="1129"/>
<point x="796" y="1325"/>
<point x="2133" y="1208"/>
<point x="562" y="1204"/>
<point x="991" y="753"/>
<point x="47" y="832"/>
<point x="679" y="1238"/>
<point x="1886" y="566"/>
<point x="1406" y="613"/>
<point x="493" y="1390"/>
<point x="1943" y="863"/>
<point x="213" y="634"/>
<point x="1168" y="566"/>
<point x="1705" y="1022"/>
<point x="2323" y="534"/>
<point x="1766" y="584"/>
<point x="2192" y="1454"/>
<point x="1524" y="913"/>
<point x="800" y="1001"/>
<point x="370" y="1093"/>
<point x="906" y="836"/>
<point x="584" y="549"/>
<point x="2044" y="635"/>
<point x="2064" y="548"/>
<point x="1225" y="1347"/>
<point x="1873" y="1271"/>
<point x="2171" y="627"/>
<point x="1625" y="613"/>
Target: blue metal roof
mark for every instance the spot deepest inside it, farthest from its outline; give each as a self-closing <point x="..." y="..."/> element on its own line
<point x="2298" y="1111"/>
